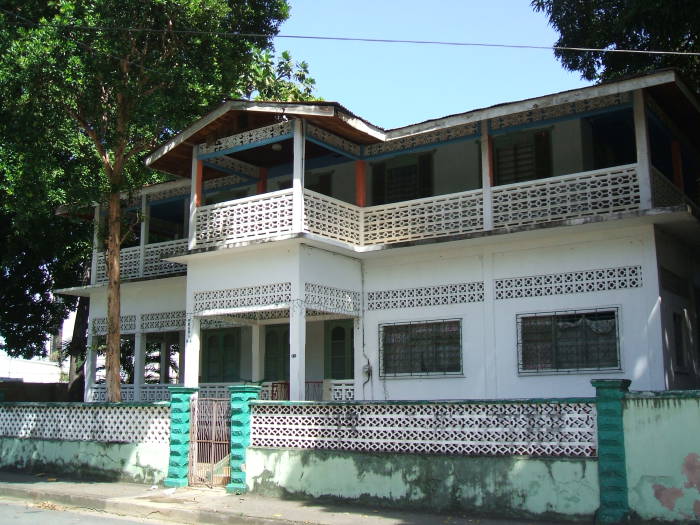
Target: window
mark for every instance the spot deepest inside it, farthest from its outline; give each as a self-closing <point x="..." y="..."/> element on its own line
<point x="568" y="341"/>
<point x="402" y="178"/>
<point x="522" y="156"/>
<point x="421" y="348"/>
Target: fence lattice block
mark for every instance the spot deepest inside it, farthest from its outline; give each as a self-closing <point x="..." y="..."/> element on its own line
<point x="474" y="429"/>
<point x="113" y="423"/>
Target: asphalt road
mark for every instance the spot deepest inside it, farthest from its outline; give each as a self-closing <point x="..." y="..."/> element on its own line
<point x="32" y="514"/>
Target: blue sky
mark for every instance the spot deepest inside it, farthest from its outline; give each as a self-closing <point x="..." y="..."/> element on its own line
<point x="393" y="85"/>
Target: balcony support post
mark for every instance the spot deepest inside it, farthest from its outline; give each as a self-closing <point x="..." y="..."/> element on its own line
<point x="298" y="177"/>
<point x="90" y="366"/>
<point x="139" y="363"/>
<point x="192" y="346"/>
<point x="143" y="238"/>
<point x="195" y="197"/>
<point x="297" y="351"/>
<point x="257" y="361"/>
<point x="262" y="181"/>
<point x="361" y="183"/>
<point x="641" y="138"/>
<point x="487" y="174"/>
<point x="181" y="358"/>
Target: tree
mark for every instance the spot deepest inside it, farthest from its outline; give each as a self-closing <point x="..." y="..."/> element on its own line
<point x="125" y="75"/>
<point x="650" y="25"/>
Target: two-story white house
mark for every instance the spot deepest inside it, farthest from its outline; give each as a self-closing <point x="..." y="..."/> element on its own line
<point x="513" y="251"/>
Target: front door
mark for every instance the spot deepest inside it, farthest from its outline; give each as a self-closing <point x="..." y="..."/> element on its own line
<point x="338" y="361"/>
<point x="221" y="356"/>
<point x="277" y="353"/>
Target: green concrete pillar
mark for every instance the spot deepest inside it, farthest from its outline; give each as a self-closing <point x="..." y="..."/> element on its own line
<point x="612" y="469"/>
<point x="178" y="466"/>
<point x="241" y="395"/>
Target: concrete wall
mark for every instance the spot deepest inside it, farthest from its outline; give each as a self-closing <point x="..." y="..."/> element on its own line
<point x="499" y="486"/>
<point x="489" y="328"/>
<point x="136" y="462"/>
<point x="662" y="447"/>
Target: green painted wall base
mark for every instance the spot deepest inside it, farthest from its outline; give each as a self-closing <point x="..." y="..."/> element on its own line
<point x="518" y="486"/>
<point x="175" y="482"/>
<point x="135" y="462"/>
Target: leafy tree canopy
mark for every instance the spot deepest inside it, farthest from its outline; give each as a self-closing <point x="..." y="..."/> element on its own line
<point x="650" y="25"/>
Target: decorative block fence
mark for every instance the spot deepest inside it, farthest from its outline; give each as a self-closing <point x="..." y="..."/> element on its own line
<point x="108" y="441"/>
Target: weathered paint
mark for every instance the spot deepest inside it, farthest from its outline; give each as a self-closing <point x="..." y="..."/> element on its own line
<point x="240" y="433"/>
<point x="498" y="486"/>
<point x="663" y="456"/>
<point x="136" y="462"/>
<point x="178" y="465"/>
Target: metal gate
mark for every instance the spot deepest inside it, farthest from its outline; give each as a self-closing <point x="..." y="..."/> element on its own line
<point x="210" y="441"/>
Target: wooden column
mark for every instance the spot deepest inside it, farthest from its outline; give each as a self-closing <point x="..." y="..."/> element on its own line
<point x="195" y="197"/>
<point x="262" y="181"/>
<point x="487" y="175"/>
<point x="641" y="136"/>
<point x="361" y="183"/>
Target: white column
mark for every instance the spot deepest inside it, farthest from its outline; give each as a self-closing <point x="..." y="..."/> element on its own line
<point x="641" y="137"/>
<point x="192" y="346"/>
<point x="181" y="358"/>
<point x="90" y="366"/>
<point x="297" y="352"/>
<point x="95" y="245"/>
<point x="143" y="241"/>
<point x="360" y="361"/>
<point x="257" y="360"/>
<point x="139" y="363"/>
<point x="486" y="175"/>
<point x="298" y="177"/>
<point x="191" y="236"/>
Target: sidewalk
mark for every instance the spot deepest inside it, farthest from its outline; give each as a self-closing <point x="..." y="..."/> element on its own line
<point x="210" y="506"/>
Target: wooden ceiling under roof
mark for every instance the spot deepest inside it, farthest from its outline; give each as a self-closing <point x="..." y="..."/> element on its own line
<point x="178" y="160"/>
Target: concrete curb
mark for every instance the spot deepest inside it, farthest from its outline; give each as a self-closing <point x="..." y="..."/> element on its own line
<point x="130" y="508"/>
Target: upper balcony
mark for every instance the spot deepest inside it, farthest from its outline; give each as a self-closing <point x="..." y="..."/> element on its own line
<point x="608" y="151"/>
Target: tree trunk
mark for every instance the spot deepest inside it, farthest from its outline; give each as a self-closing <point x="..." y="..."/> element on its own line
<point x="77" y="350"/>
<point x="112" y="365"/>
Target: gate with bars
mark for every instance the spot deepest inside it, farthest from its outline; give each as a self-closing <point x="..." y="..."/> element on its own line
<point x="210" y="441"/>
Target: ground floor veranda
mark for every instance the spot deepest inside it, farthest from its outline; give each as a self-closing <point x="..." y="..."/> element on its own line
<point x="302" y="355"/>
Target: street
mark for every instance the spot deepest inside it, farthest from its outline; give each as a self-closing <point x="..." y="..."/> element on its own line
<point x="20" y="513"/>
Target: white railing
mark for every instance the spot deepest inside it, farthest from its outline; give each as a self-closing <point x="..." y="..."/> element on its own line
<point x="342" y="390"/>
<point x="83" y="422"/>
<point x="149" y="392"/>
<point x="582" y="194"/>
<point x="263" y="216"/>
<point x="663" y="191"/>
<point x="131" y="266"/>
<point x="332" y="218"/>
<point x="534" y="428"/>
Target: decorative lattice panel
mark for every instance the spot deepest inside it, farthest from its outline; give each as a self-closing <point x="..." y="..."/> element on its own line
<point x="84" y="422"/>
<point x="422" y="139"/>
<point x="331" y="218"/>
<point x="231" y="165"/>
<point x="333" y="140"/>
<point x="127" y="324"/>
<point x="342" y="390"/>
<point x="591" y="193"/>
<point x="248" y="137"/>
<point x="664" y="192"/>
<point x="424" y="218"/>
<point x="473" y="429"/>
<point x="250" y="296"/>
<point x="129" y="264"/>
<point x="153" y="263"/>
<point x="599" y="280"/>
<point x="329" y="299"/>
<point x="149" y="392"/>
<point x="163" y="321"/>
<point x="561" y="110"/>
<point x="214" y="390"/>
<point x="259" y="217"/>
<point x="170" y="191"/>
<point x="438" y="295"/>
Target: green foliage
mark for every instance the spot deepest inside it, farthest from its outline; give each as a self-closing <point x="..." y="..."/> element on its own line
<point x="284" y="80"/>
<point x="651" y="25"/>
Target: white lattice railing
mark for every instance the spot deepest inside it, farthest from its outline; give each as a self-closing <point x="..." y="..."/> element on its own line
<point x="260" y="217"/>
<point x="85" y="422"/>
<point x="590" y="193"/>
<point x="427" y="218"/>
<point x="663" y="191"/>
<point x="153" y="263"/>
<point x="547" y="428"/>
<point x="342" y="389"/>
<point x="129" y="264"/>
<point x="149" y="392"/>
<point x="332" y="218"/>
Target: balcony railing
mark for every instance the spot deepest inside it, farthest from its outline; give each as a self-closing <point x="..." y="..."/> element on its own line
<point x="270" y="215"/>
<point x="134" y="264"/>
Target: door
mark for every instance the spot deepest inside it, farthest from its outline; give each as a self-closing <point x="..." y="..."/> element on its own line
<point x="210" y="441"/>
<point x="339" y="349"/>
<point x="221" y="356"/>
<point x="277" y="353"/>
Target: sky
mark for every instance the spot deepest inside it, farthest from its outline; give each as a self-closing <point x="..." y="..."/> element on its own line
<point x="393" y="85"/>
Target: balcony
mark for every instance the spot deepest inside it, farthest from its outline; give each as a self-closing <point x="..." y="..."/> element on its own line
<point x="271" y="215"/>
<point x="143" y="261"/>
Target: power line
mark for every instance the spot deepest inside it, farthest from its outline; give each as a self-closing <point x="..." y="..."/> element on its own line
<point x="236" y="34"/>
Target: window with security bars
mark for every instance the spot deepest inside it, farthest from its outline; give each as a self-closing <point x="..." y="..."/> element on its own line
<point x="571" y="341"/>
<point x="421" y="348"/>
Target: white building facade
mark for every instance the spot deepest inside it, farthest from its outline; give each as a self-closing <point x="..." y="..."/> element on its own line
<point x="514" y="251"/>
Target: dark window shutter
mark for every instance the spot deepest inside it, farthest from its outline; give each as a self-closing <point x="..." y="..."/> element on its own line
<point x="425" y="175"/>
<point x="379" y="183"/>
<point x="543" y="155"/>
